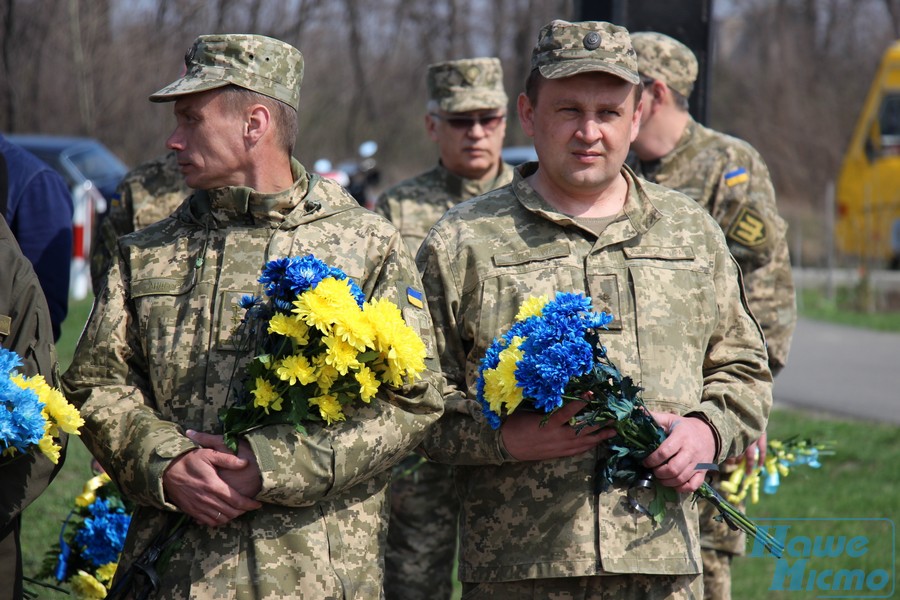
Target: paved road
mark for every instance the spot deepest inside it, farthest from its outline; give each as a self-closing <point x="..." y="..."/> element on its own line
<point x="842" y="370"/>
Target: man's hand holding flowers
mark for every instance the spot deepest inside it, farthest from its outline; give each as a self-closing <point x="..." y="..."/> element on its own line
<point x="690" y="442"/>
<point x="533" y="436"/>
<point x="202" y="482"/>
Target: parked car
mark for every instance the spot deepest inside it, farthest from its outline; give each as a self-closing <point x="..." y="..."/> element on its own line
<point x="78" y="159"/>
<point x="516" y="155"/>
<point x="92" y="172"/>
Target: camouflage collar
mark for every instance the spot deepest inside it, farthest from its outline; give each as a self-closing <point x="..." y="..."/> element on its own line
<point x="469" y="188"/>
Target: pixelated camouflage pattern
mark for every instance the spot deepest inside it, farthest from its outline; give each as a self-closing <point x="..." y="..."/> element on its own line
<point x="682" y="330"/>
<point x="424" y="508"/>
<point x="467" y="84"/>
<point x="716" y="574"/>
<point x="148" y="193"/>
<point x="665" y="59"/>
<point x="414" y="205"/>
<point x="607" y="587"/>
<point x="255" y="62"/>
<point x="564" y="49"/>
<point x="157" y="358"/>
<point x="745" y="208"/>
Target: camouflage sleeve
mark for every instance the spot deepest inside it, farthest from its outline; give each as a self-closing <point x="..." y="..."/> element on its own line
<point x="118" y="222"/>
<point x="383" y="207"/>
<point x="108" y="380"/>
<point x="757" y="237"/>
<point x="300" y="469"/>
<point x="462" y="435"/>
<point x="737" y="384"/>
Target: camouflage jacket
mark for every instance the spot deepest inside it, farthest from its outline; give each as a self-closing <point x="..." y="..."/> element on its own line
<point x="414" y="205"/>
<point x="681" y="330"/>
<point x="157" y="358"/>
<point x="148" y="193"/>
<point x="728" y="178"/>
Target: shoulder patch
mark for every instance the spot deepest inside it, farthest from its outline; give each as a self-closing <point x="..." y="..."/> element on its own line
<point x="5" y="325"/>
<point x="748" y="228"/>
<point x="739" y="175"/>
<point x="414" y="297"/>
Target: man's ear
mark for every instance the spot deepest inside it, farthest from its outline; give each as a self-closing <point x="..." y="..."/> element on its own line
<point x="257" y="122"/>
<point x="431" y="127"/>
<point x="525" y="110"/>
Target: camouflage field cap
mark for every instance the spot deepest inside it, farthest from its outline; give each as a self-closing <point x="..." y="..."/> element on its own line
<point x="467" y="84"/>
<point x="666" y="59"/>
<point x="564" y="49"/>
<point x="255" y="62"/>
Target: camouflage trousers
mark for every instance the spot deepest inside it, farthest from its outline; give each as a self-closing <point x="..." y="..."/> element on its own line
<point x="422" y="531"/>
<point x="607" y="587"/>
<point x="719" y="544"/>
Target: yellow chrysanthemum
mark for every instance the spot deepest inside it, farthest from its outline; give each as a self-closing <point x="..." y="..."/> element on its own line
<point x="340" y="354"/>
<point x="325" y="304"/>
<point x="86" y="587"/>
<point x="107" y="572"/>
<point x="296" y="368"/>
<point x="500" y="383"/>
<point x="532" y="307"/>
<point x="399" y="345"/>
<point x="326" y="374"/>
<point x="265" y="396"/>
<point x="88" y="495"/>
<point x="368" y="383"/>
<point x="329" y="408"/>
<point x="58" y="413"/>
<point x="50" y="448"/>
<point x="292" y="327"/>
<point x="355" y="329"/>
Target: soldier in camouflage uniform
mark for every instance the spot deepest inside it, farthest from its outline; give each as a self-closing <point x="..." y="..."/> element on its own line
<point x="580" y="221"/>
<point x="26" y="329"/>
<point x="728" y="178"/>
<point x="148" y="193"/>
<point x="466" y="119"/>
<point x="291" y="515"/>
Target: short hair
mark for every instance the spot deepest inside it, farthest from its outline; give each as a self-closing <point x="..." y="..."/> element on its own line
<point x="284" y="116"/>
<point x="678" y="98"/>
<point x="535" y="79"/>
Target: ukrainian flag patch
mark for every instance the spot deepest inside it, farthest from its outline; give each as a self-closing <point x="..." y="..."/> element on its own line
<point x="415" y="297"/>
<point x="739" y="175"/>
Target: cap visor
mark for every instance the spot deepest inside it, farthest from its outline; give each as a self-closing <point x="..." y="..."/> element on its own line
<point x="570" y="68"/>
<point x="184" y="86"/>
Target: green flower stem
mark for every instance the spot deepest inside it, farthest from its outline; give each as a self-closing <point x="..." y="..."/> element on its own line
<point x="735" y="517"/>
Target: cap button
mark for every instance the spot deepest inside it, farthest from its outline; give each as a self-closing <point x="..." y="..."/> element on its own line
<point x="592" y="40"/>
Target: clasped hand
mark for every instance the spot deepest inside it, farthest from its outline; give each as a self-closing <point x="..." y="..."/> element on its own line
<point x="211" y="483"/>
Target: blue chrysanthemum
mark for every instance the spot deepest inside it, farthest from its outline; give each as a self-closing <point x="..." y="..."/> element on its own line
<point x="102" y="535"/>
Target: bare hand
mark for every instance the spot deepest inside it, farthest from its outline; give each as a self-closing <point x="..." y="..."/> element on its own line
<point x="690" y="442"/>
<point x="754" y="454"/>
<point x="192" y="482"/>
<point x="247" y="480"/>
<point x="525" y="439"/>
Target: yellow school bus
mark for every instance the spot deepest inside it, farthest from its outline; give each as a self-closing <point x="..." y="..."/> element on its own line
<point x="867" y="192"/>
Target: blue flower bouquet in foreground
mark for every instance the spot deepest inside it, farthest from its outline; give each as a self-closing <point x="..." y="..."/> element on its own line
<point x="32" y="414"/>
<point x="90" y="541"/>
<point x="552" y="355"/>
<point x="321" y="348"/>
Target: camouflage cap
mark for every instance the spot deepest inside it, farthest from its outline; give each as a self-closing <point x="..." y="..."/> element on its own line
<point x="255" y="62"/>
<point x="666" y="59"/>
<point x="564" y="49"/>
<point x="467" y="84"/>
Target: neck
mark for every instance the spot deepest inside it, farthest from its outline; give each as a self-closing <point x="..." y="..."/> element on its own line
<point x="660" y="134"/>
<point x="590" y="205"/>
<point x="271" y="176"/>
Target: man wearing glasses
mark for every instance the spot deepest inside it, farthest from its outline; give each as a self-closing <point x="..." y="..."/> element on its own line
<point x="466" y="119"/>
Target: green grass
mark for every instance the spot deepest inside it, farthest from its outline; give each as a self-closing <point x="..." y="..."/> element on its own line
<point x="860" y="481"/>
<point x="847" y="307"/>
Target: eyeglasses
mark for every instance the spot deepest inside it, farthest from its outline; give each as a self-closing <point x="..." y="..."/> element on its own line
<point x="488" y="122"/>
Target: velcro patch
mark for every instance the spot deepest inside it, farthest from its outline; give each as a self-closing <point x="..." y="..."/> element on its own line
<point x="739" y="175"/>
<point x="748" y="229"/>
<point x="415" y="297"/>
<point x="5" y="325"/>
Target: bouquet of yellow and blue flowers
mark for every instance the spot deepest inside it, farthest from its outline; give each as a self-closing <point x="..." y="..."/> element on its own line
<point x="31" y="412"/>
<point x="322" y="347"/>
<point x="781" y="457"/>
<point x="552" y="355"/>
<point x="90" y="541"/>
